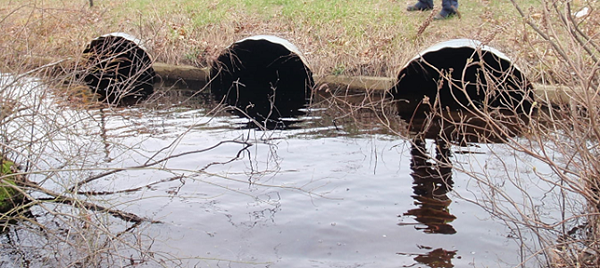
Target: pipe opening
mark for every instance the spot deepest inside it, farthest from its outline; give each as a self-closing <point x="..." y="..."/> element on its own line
<point x="263" y="78"/>
<point x="118" y="69"/>
<point x="462" y="75"/>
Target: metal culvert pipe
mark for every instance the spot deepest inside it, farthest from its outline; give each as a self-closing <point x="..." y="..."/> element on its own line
<point x="264" y="77"/>
<point x="119" y="69"/>
<point x="465" y="75"/>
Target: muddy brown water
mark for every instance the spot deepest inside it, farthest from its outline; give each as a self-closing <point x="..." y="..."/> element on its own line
<point x="316" y="195"/>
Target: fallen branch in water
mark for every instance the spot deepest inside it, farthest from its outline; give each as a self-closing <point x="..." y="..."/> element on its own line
<point x="58" y="198"/>
<point x="126" y="216"/>
<point x="149" y="164"/>
<point x="130" y="189"/>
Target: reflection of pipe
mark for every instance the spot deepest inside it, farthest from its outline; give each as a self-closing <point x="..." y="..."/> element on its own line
<point x="431" y="184"/>
<point x="119" y="69"/>
<point x="263" y="77"/>
<point x="462" y="74"/>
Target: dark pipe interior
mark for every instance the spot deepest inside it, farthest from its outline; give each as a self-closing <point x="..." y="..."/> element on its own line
<point x="119" y="70"/>
<point x="419" y="79"/>
<point x="264" y="80"/>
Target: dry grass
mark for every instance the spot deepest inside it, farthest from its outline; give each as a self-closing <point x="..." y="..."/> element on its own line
<point x="353" y="37"/>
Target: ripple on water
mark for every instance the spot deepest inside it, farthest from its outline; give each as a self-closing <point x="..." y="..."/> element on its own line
<point x="302" y="197"/>
<point x="294" y="200"/>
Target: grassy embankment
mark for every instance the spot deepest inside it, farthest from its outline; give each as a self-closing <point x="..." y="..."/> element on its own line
<point x="337" y="37"/>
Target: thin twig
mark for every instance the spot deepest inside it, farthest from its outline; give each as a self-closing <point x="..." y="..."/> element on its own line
<point x="101" y="175"/>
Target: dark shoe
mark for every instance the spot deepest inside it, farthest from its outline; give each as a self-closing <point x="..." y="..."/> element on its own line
<point x="444" y="15"/>
<point x="419" y="7"/>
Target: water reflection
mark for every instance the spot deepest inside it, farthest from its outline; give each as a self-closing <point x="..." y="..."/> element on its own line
<point x="269" y="124"/>
<point x="437" y="258"/>
<point x="432" y="180"/>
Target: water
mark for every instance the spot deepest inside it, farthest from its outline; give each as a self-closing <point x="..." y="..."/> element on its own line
<point x="317" y="195"/>
<point x="294" y="198"/>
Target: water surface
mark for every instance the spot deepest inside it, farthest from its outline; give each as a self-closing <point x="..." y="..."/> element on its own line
<point x="315" y="195"/>
<point x="300" y="198"/>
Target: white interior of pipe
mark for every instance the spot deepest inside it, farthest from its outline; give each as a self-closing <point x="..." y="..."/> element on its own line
<point x="460" y="43"/>
<point x="278" y="40"/>
<point x="126" y="36"/>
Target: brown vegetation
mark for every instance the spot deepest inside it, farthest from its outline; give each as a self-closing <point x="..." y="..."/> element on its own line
<point x="548" y="42"/>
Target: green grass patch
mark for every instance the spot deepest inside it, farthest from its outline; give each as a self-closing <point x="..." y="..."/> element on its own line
<point x="8" y="193"/>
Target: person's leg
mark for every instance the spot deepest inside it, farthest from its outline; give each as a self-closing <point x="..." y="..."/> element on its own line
<point x="449" y="7"/>
<point x="421" y="5"/>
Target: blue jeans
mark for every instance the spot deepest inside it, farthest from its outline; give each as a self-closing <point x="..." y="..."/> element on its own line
<point x="448" y="6"/>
